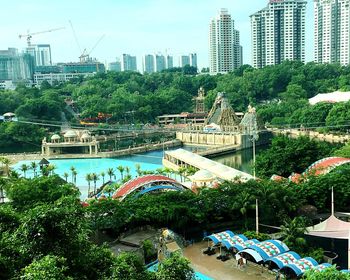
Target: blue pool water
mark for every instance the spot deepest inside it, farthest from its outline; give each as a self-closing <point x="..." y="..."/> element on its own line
<point x="148" y="161"/>
<point x="199" y="276"/>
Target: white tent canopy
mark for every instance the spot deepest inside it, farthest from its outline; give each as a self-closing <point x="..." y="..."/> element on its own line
<point x="332" y="97"/>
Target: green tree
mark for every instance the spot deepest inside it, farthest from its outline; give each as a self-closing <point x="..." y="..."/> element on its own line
<point x="129" y="267"/>
<point x="121" y="170"/>
<point x="175" y="268"/>
<point x="292" y="233"/>
<point x="24" y="168"/>
<point x="327" y="274"/>
<point x="66" y="175"/>
<point x="47" y="268"/>
<point x="34" y="166"/>
<point x="110" y="172"/>
<point x="88" y="178"/>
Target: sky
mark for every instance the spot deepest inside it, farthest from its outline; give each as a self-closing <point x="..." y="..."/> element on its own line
<point x="136" y="27"/>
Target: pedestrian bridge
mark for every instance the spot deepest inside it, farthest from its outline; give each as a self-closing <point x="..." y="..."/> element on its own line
<point x="182" y="158"/>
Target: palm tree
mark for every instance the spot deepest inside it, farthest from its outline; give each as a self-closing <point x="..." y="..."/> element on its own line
<point x="65" y="175"/>
<point x="88" y="178"/>
<point x="51" y="168"/>
<point x="75" y="173"/>
<point x="110" y="172"/>
<point x="24" y="169"/>
<point x="72" y="169"/>
<point x="103" y="177"/>
<point x="127" y="169"/>
<point x="244" y="201"/>
<point x="121" y="170"/>
<point x="138" y="169"/>
<point x="95" y="178"/>
<point x="292" y="233"/>
<point x="6" y="162"/>
<point x="34" y="166"/>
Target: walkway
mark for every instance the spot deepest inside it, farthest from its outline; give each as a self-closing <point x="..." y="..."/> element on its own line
<point x="219" y="270"/>
<point x="182" y="158"/>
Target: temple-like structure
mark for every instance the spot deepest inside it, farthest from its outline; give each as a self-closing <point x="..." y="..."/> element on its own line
<point x="74" y="141"/>
<point x="222" y="116"/>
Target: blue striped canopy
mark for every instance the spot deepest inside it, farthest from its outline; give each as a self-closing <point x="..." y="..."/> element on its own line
<point x="231" y="241"/>
<point x="345" y="270"/>
<point x="302" y="265"/>
<point x="284" y="259"/>
<point x="322" y="266"/>
<point x="218" y="237"/>
<point x="244" y="245"/>
<point x="269" y="248"/>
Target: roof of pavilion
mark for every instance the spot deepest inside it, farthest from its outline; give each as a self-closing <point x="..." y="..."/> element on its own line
<point x="220" y="236"/>
<point x="142" y="181"/>
<point x="319" y="167"/>
<point x="218" y="169"/>
<point x="331" y="228"/>
<point x="302" y="265"/>
<point x="264" y="250"/>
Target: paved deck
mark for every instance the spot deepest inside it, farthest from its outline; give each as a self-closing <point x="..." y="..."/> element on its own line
<point x="219" y="270"/>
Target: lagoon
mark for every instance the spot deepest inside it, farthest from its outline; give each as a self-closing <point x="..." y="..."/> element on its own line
<point x="149" y="161"/>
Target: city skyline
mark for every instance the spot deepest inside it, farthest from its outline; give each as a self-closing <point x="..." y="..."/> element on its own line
<point x="136" y="27"/>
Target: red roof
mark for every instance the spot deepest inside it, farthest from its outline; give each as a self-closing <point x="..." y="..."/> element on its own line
<point x="325" y="165"/>
<point x="138" y="182"/>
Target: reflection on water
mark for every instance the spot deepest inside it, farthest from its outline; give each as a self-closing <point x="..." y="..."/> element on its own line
<point x="241" y="160"/>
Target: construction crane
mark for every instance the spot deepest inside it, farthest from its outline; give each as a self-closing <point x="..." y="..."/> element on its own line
<point x="84" y="55"/>
<point x="30" y="35"/>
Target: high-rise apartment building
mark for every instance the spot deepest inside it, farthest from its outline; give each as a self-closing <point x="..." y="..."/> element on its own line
<point x="193" y="59"/>
<point x="41" y="54"/>
<point x="332" y="31"/>
<point x="129" y="62"/>
<point x="184" y="60"/>
<point x="224" y="47"/>
<point x="169" y="61"/>
<point x="148" y="63"/>
<point x="278" y="32"/>
<point x="16" y="66"/>
<point x="115" y="66"/>
<point x="159" y="62"/>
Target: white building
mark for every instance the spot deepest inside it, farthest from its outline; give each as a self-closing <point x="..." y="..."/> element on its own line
<point x="278" y="32"/>
<point x="190" y="59"/>
<point x="332" y="31"/>
<point x="159" y="62"/>
<point x="41" y="54"/>
<point x="225" y="52"/>
<point x="52" y="78"/>
<point x="169" y="61"/>
<point x="332" y="97"/>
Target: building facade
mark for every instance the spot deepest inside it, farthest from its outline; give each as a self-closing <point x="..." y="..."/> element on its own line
<point x="16" y="67"/>
<point x="169" y="61"/>
<point x="148" y="63"/>
<point x="115" y="66"/>
<point x="225" y="52"/>
<point x="41" y="54"/>
<point x="278" y="32"/>
<point x="159" y="62"/>
<point x="332" y="31"/>
<point x="129" y="63"/>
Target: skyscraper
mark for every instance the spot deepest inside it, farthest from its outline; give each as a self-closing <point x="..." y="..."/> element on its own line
<point x="41" y="54"/>
<point x="169" y="61"/>
<point x="332" y="31"/>
<point x="159" y="62"/>
<point x="16" y="66"/>
<point x="129" y="62"/>
<point x="193" y="59"/>
<point x="278" y="32"/>
<point x="184" y="60"/>
<point x="224" y="48"/>
<point x="148" y="63"/>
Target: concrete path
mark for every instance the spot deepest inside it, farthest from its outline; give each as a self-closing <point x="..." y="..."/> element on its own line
<point x="219" y="270"/>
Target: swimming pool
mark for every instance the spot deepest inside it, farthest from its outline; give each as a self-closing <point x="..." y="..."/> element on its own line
<point x="199" y="276"/>
<point x="148" y="161"/>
